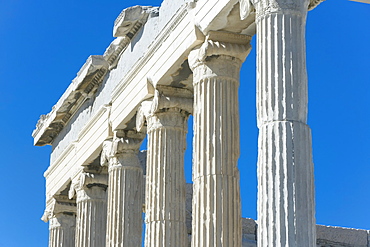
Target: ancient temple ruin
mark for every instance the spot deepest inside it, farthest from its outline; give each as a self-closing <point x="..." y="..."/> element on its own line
<point x="165" y="64"/>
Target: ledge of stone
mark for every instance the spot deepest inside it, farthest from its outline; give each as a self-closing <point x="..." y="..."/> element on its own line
<point x="81" y="88"/>
<point x="91" y="75"/>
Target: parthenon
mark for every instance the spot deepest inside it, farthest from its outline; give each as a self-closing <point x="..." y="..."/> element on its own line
<point x="165" y="64"/>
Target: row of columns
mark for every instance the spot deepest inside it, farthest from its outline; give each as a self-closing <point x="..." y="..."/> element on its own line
<point x="285" y="170"/>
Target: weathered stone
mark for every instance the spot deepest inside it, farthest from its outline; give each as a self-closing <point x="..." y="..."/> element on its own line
<point x="91" y="198"/>
<point x="286" y="202"/>
<point x="166" y="116"/>
<point x="166" y="63"/>
<point x="125" y="191"/>
<point x="216" y="192"/>
<point x="339" y="236"/>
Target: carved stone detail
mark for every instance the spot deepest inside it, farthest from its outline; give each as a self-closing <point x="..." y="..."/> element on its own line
<point x="314" y="3"/>
<point x="165" y="98"/>
<point x="265" y="7"/>
<point x="125" y="193"/>
<point x="91" y="201"/>
<point x="246" y="8"/>
<point x="166" y="117"/>
<point x="62" y="230"/>
<point x="83" y="86"/>
<point x="125" y="28"/>
<point x="131" y="19"/>
<point x="286" y="205"/>
<point x="61" y="214"/>
<point x="221" y="44"/>
<point x="216" y="202"/>
<point x="91" y="74"/>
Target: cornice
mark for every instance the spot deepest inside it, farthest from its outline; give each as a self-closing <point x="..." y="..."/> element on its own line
<point x="131" y="19"/>
<point x="91" y="75"/>
<point x="82" y="87"/>
<point x="72" y="147"/>
<point x="126" y="26"/>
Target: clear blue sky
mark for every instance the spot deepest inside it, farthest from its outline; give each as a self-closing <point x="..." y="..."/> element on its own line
<point x="44" y="43"/>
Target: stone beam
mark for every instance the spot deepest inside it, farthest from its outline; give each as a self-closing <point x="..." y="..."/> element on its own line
<point x="91" y="75"/>
<point x="161" y="63"/>
<point x="82" y="87"/>
<point x="164" y="57"/>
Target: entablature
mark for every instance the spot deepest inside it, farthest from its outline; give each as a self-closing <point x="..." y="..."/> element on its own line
<point x="139" y="61"/>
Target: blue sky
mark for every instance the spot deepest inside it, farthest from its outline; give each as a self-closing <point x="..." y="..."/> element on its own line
<point x="44" y="43"/>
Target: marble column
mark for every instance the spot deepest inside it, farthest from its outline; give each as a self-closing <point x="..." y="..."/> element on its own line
<point x="91" y="198"/>
<point x="166" y="117"/>
<point x="216" y="193"/>
<point x="286" y="203"/>
<point x="125" y="192"/>
<point x="62" y="219"/>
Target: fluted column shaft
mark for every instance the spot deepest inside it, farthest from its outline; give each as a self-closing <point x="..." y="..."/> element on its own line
<point x="165" y="185"/>
<point x="125" y="192"/>
<point x="286" y="206"/>
<point x="91" y="199"/>
<point x="166" y="116"/>
<point x="216" y="193"/>
<point x="62" y="230"/>
<point x="61" y="214"/>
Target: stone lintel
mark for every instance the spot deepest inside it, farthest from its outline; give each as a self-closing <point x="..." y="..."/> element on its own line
<point x="82" y="87"/>
<point x="227" y="37"/>
<point x="228" y="16"/>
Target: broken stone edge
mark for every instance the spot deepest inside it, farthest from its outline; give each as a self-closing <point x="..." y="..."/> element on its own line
<point x="91" y="75"/>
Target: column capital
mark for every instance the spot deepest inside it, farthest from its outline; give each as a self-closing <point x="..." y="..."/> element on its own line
<point x="221" y="44"/>
<point x="87" y="180"/>
<point x="124" y="142"/>
<point x="264" y="7"/>
<point x="59" y="205"/>
<point x="165" y="99"/>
